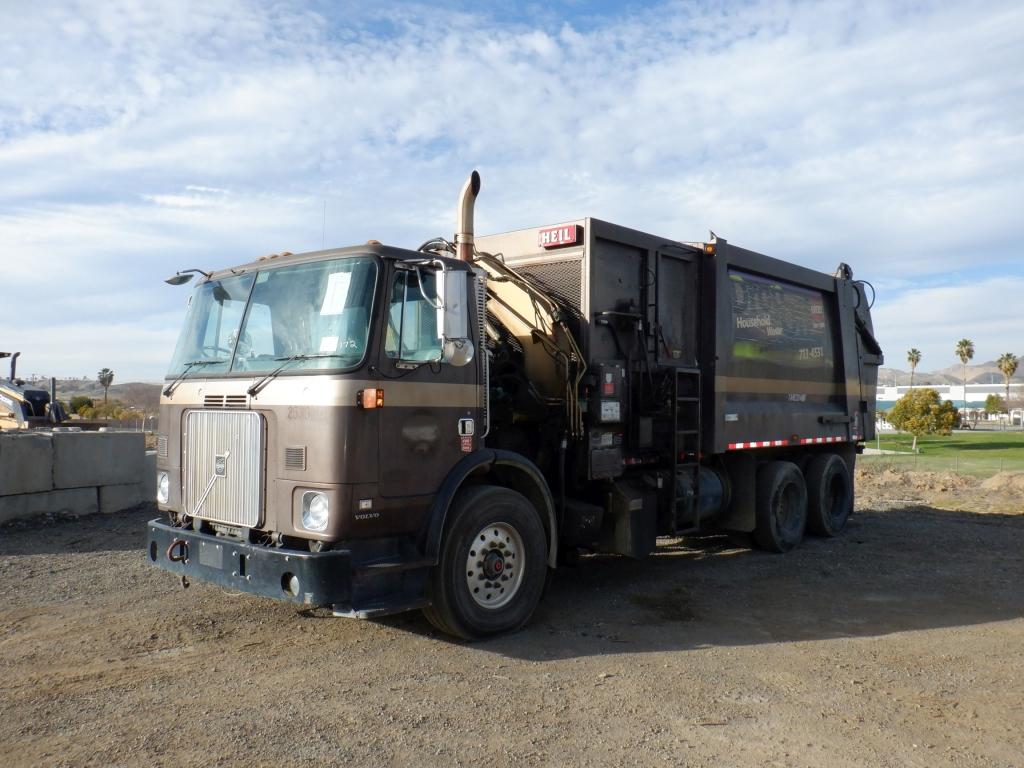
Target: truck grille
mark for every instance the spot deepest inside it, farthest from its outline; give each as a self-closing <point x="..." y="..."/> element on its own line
<point x="223" y="467"/>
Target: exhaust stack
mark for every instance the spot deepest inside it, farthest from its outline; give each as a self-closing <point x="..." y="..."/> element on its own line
<point x="464" y="224"/>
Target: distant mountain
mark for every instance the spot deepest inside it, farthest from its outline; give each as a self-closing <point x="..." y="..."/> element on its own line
<point x="979" y="373"/>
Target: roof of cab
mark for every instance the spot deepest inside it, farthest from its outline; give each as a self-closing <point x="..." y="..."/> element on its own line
<point x="372" y="248"/>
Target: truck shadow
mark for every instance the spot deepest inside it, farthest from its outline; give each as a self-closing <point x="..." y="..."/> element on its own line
<point x="904" y="569"/>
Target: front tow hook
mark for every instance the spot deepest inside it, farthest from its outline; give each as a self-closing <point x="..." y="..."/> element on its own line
<point x="177" y="552"/>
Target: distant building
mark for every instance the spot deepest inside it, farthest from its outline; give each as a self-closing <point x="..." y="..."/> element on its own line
<point x="972" y="406"/>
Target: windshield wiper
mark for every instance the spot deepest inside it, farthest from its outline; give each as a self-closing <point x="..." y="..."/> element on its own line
<point x="169" y="389"/>
<point x="259" y="385"/>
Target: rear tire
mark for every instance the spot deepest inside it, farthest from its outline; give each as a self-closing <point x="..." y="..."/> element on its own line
<point x="492" y="566"/>
<point x="829" y="495"/>
<point x="780" y="507"/>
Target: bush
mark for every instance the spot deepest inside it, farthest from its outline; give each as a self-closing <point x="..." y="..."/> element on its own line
<point x="114" y="409"/>
<point x="78" y="402"/>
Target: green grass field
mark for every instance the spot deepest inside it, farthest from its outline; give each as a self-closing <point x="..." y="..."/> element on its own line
<point x="979" y="453"/>
<point x="1005" y="444"/>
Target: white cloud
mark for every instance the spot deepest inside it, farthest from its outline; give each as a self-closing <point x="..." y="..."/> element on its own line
<point x="934" y="319"/>
<point x="888" y="136"/>
<point x="180" y="201"/>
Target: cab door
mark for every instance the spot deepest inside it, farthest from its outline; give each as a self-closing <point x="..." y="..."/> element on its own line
<point x="429" y="406"/>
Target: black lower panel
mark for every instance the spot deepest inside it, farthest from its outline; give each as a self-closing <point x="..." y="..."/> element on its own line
<point x="354" y="585"/>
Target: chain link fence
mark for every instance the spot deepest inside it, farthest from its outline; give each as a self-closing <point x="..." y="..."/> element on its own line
<point x="966" y="462"/>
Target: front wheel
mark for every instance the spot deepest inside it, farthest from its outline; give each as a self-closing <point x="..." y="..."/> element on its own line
<point x="492" y="566"/>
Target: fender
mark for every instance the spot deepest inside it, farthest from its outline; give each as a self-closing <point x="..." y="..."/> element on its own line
<point x="487" y="459"/>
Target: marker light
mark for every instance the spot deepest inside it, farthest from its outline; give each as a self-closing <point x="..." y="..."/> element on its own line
<point x="370" y="398"/>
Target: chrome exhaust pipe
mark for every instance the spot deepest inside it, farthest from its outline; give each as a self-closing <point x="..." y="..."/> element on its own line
<point x="464" y="224"/>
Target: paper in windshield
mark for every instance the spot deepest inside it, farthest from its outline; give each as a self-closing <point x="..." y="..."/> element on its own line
<point x="337" y="293"/>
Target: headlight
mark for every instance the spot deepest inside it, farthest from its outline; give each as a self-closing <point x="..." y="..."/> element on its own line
<point x="315" y="510"/>
<point x="163" y="488"/>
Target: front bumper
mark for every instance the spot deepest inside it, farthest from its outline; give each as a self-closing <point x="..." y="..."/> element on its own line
<point x="355" y="583"/>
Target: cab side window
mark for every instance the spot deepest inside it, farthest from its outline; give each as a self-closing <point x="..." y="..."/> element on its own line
<point x="412" y="318"/>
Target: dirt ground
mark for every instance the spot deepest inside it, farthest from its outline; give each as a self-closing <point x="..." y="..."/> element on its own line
<point x="900" y="643"/>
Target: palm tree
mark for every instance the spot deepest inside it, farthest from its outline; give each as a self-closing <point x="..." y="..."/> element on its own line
<point x="105" y="378"/>
<point x="965" y="351"/>
<point x="913" y="357"/>
<point x="1007" y="363"/>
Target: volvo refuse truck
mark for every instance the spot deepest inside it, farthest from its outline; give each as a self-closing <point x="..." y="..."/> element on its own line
<point x="375" y="429"/>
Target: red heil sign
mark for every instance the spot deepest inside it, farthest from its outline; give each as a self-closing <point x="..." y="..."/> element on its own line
<point x="554" y="237"/>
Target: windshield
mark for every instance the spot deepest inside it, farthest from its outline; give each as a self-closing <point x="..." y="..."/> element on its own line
<point x="250" y="323"/>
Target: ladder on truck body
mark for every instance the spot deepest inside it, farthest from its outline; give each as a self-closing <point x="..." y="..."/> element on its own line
<point x="683" y="510"/>
<point x="686" y="432"/>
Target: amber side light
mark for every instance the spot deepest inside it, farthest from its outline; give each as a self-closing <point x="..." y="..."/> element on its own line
<point x="370" y="398"/>
<point x="709" y="247"/>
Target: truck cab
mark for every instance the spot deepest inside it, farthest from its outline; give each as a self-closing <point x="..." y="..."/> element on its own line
<point x="315" y="407"/>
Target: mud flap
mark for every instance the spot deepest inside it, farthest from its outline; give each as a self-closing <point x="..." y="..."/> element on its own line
<point x="742" y="470"/>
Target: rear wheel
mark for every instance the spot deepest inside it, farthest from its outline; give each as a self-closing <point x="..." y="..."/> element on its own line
<point x="781" y="506"/>
<point x="492" y="565"/>
<point x="829" y="494"/>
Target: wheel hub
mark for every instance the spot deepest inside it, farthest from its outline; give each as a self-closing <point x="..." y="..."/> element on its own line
<point x="494" y="565"/>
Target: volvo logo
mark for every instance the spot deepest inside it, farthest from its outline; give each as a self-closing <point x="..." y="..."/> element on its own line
<point x="220" y="464"/>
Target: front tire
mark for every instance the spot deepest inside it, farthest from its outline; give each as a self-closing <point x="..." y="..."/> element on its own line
<point x="492" y="565"/>
<point x="780" y="506"/>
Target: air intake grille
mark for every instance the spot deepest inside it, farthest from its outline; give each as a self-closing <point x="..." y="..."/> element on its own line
<point x="223" y="466"/>
<point x="561" y="279"/>
<point x="485" y="360"/>
<point x="161" y="446"/>
<point x="225" y="401"/>
<point x="295" y="458"/>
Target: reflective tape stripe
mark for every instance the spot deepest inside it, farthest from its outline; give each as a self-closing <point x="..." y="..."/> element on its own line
<point x="758" y="444"/>
<point x="778" y="443"/>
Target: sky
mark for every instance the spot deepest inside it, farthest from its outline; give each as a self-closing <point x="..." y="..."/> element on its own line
<point x="139" y="138"/>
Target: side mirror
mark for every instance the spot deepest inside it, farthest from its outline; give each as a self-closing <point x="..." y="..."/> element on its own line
<point x="182" y="277"/>
<point x="453" y="317"/>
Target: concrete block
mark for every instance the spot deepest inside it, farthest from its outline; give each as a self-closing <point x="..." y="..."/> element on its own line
<point x="82" y="459"/>
<point x="76" y="501"/>
<point x="114" y="498"/>
<point x="26" y="463"/>
<point x="149" y="478"/>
